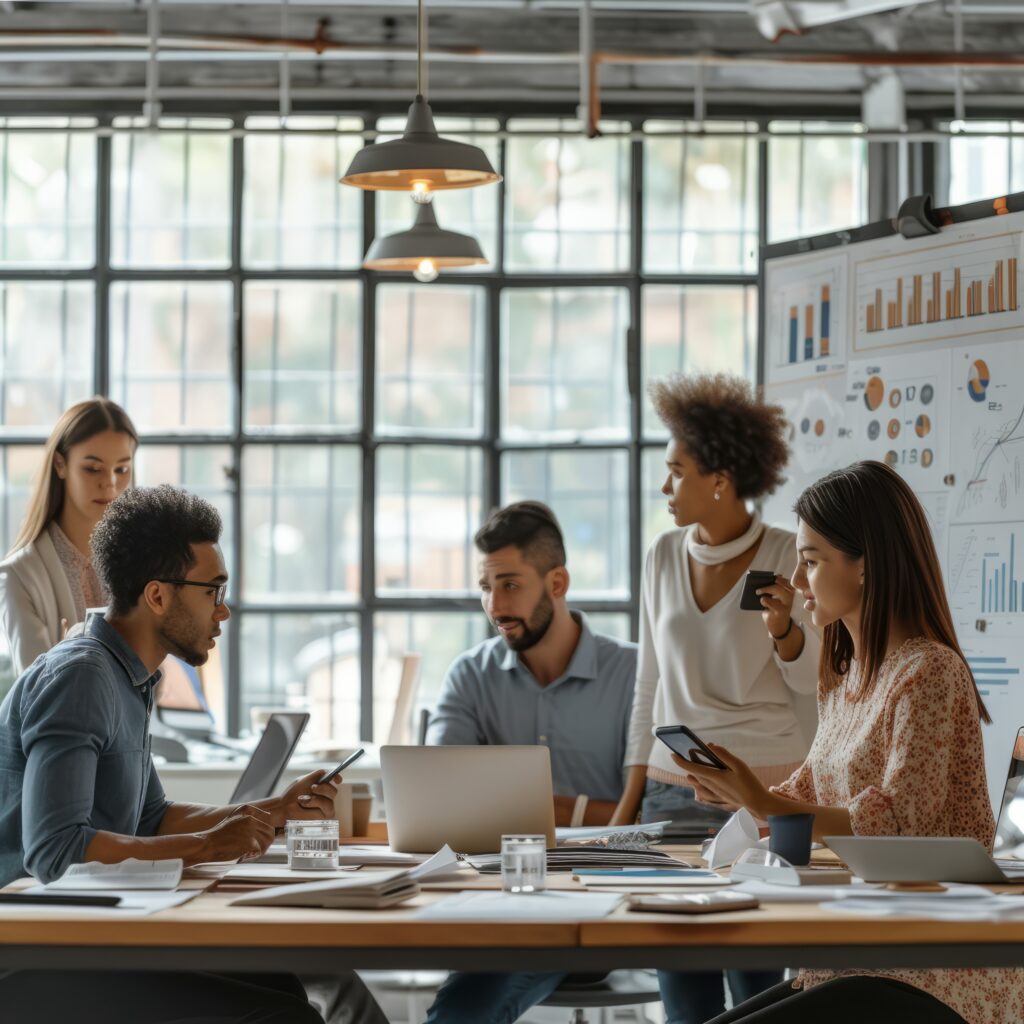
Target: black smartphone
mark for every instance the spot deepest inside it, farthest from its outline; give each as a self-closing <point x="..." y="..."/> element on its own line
<point x="335" y="772"/>
<point x="682" y="741"/>
<point x="756" y="579"/>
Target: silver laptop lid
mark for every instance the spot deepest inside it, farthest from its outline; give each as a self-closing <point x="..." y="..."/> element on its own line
<point x="467" y="797"/>
<point x="1010" y="823"/>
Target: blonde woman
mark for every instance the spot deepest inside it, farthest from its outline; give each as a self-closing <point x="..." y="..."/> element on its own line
<point x="47" y="580"/>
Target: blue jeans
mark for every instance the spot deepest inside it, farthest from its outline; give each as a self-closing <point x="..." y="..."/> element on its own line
<point x="490" y="998"/>
<point x="692" y="998"/>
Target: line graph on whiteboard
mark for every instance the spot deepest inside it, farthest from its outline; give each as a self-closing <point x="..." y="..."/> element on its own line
<point x="988" y="444"/>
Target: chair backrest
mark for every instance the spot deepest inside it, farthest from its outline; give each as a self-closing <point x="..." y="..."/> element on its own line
<point x="400" y="733"/>
<point x="424" y="724"/>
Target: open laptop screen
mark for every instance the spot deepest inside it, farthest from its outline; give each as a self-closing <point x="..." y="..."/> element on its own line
<point x="1010" y="826"/>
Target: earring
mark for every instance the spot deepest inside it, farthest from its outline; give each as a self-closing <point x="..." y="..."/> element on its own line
<point x="718" y="496"/>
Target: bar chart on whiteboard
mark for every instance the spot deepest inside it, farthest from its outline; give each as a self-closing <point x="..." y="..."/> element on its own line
<point x="950" y="290"/>
<point x="805" y="321"/>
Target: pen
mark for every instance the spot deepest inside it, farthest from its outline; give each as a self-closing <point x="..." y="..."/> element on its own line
<point x="60" y="899"/>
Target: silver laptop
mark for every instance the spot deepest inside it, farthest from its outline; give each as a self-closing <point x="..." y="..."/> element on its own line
<point x="947" y="859"/>
<point x="467" y="797"/>
<point x="1009" y="845"/>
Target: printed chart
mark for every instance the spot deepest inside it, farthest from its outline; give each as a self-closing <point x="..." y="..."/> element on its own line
<point x="996" y="666"/>
<point x="805" y="317"/>
<point x="986" y="578"/>
<point x="988" y="445"/>
<point x="898" y="412"/>
<point x="950" y="289"/>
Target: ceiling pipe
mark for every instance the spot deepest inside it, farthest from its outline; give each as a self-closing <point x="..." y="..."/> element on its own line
<point x="245" y="48"/>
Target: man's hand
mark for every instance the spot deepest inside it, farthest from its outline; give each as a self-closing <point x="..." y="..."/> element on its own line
<point x="303" y="799"/>
<point x="245" y="834"/>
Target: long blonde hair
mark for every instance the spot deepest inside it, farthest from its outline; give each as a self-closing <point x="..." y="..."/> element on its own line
<point x="79" y="423"/>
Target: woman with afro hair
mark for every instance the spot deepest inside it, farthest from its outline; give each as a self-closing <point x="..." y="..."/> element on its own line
<point x="731" y="675"/>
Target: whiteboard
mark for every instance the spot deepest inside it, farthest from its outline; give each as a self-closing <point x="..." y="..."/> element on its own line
<point x="911" y="351"/>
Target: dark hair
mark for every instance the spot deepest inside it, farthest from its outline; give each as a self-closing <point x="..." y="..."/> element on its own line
<point x="726" y="428"/>
<point x="868" y="511"/>
<point x="529" y="526"/>
<point x="147" y="534"/>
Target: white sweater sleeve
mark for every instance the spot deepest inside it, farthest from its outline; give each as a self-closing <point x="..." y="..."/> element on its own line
<point x="641" y="721"/>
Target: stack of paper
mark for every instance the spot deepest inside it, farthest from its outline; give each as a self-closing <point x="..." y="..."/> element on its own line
<point x="954" y="903"/>
<point x="621" y="837"/>
<point x="356" y="890"/>
<point x="128" y="874"/>
<point x="362" y="890"/>
<point x="569" y="858"/>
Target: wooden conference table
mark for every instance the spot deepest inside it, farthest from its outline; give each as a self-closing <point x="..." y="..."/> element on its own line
<point x="208" y="934"/>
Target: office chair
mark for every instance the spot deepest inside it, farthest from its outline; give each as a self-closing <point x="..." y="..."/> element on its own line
<point x="620" y="988"/>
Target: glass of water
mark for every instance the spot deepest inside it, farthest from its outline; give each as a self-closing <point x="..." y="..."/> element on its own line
<point x="523" y="863"/>
<point x="312" y="845"/>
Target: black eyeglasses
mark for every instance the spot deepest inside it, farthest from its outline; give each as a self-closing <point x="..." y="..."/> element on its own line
<point x="219" y="589"/>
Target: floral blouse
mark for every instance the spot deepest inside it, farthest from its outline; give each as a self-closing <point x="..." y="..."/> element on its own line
<point x="908" y="760"/>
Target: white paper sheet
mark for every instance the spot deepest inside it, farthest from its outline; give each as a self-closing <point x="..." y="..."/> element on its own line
<point x="128" y="874"/>
<point x="506" y="906"/>
<point x="739" y="833"/>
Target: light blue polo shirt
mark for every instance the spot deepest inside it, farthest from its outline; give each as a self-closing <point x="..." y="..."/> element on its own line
<point x="490" y="697"/>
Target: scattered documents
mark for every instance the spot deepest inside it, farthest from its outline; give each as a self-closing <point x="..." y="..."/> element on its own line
<point x="955" y="903"/>
<point x="647" y="879"/>
<point x="739" y="833"/>
<point x="380" y="856"/>
<point x="263" y="874"/>
<point x="128" y="874"/>
<point x="507" y="906"/>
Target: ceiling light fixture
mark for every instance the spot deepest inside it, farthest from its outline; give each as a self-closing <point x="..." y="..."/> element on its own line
<point x="425" y="249"/>
<point x="421" y="161"/>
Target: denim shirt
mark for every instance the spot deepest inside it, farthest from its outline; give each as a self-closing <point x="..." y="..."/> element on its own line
<point x="75" y="754"/>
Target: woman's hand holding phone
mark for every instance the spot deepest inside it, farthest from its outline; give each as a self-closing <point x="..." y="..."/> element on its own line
<point x="733" y="788"/>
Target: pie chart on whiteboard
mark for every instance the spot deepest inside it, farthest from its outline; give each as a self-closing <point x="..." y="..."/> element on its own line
<point x="978" y="379"/>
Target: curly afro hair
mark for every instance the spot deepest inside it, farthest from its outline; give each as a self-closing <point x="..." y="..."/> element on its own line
<point x="726" y="428"/>
<point x="147" y="534"/>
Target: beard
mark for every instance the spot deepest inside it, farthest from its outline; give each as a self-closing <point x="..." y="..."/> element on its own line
<point x="534" y="629"/>
<point x="183" y="637"/>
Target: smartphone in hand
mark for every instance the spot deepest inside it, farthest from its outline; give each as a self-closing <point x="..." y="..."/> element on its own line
<point x="335" y="772"/>
<point x="689" y="746"/>
<point x="756" y="579"/>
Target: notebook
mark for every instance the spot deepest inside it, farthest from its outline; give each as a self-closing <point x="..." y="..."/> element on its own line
<point x="363" y="890"/>
<point x="128" y="874"/>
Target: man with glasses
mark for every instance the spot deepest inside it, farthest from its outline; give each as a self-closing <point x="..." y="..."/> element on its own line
<point x="77" y="782"/>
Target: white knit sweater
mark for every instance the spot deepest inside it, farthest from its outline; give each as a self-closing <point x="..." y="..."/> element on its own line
<point x="716" y="671"/>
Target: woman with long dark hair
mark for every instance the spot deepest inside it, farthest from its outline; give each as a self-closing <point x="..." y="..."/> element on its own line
<point x="898" y="749"/>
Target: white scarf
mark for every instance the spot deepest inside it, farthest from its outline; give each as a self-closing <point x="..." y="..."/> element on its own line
<point x="708" y="554"/>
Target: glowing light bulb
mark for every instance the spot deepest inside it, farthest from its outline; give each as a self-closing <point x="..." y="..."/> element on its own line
<point x="421" y="192"/>
<point x="426" y="271"/>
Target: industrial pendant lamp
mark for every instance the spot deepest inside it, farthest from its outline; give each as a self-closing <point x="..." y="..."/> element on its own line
<point x="425" y="249"/>
<point x="420" y="162"/>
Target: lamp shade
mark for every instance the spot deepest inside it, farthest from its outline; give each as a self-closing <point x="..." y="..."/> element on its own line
<point x="419" y="159"/>
<point x="407" y="250"/>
